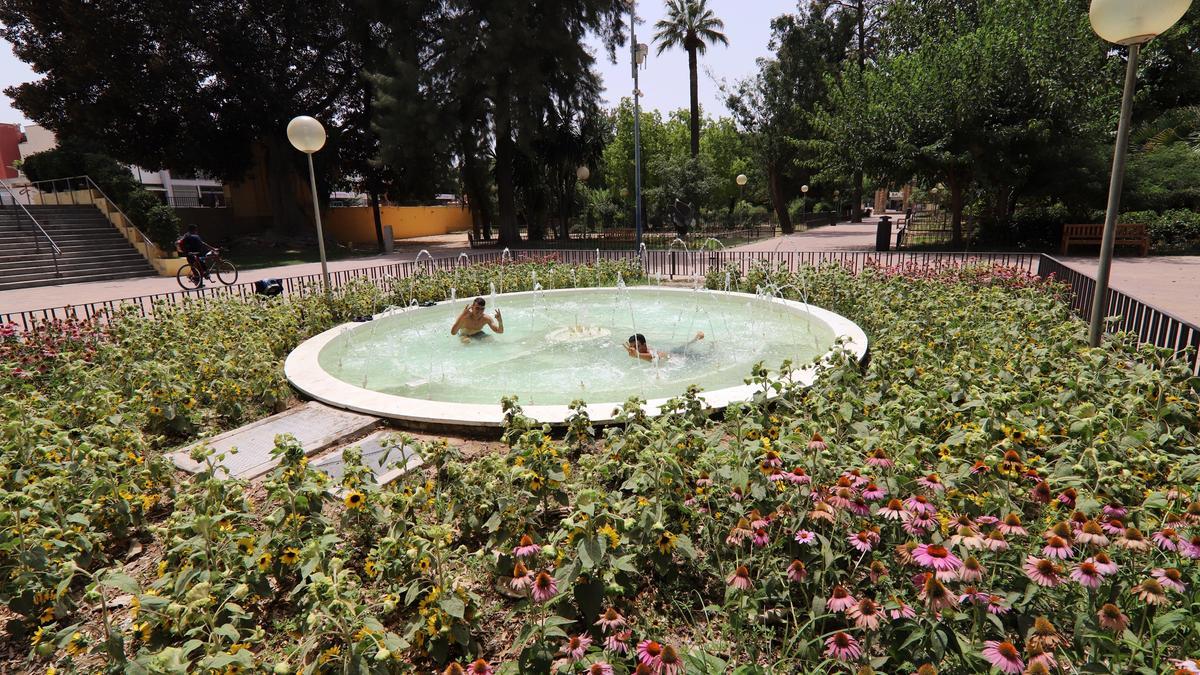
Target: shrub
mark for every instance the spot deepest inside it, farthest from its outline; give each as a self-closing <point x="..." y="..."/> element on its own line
<point x="1175" y="231"/>
<point x="162" y="226"/>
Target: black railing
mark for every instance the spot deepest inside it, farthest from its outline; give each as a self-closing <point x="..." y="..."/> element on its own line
<point x="1150" y="324"/>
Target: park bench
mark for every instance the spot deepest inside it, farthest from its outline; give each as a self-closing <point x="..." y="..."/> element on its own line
<point x="1127" y="235"/>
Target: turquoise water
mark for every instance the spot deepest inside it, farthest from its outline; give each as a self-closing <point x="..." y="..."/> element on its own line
<point x="567" y="345"/>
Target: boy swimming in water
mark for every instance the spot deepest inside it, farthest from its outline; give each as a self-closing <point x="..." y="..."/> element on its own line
<point x="637" y="348"/>
<point x="472" y="320"/>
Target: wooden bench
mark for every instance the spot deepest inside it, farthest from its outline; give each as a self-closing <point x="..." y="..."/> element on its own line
<point x="1127" y="235"/>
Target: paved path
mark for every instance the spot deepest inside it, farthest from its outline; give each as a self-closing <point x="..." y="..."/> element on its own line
<point x="21" y="299"/>
<point x="840" y="237"/>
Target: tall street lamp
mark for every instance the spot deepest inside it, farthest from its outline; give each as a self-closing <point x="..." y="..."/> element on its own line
<point x="308" y="136"/>
<point x="1131" y="23"/>
<point x="638" y="52"/>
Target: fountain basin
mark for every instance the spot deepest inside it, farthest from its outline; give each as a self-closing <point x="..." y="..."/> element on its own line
<point x="565" y="345"/>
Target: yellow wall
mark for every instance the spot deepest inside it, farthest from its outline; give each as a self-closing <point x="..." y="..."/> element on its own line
<point x="356" y="224"/>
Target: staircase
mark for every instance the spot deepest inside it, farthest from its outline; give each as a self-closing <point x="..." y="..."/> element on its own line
<point x="92" y="248"/>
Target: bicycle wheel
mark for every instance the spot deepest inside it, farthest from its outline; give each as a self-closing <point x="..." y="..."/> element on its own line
<point x="188" y="280"/>
<point x="226" y="272"/>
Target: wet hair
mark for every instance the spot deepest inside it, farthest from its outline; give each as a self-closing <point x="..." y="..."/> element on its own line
<point x="481" y="302"/>
<point x="192" y="228"/>
<point x="637" y="338"/>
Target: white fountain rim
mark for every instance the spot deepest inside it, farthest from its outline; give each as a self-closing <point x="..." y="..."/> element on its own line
<point x="303" y="370"/>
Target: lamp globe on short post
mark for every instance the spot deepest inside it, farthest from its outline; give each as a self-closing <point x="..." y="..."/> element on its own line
<point x="804" y="203"/>
<point x="308" y="136"/>
<point x="1131" y="23"/>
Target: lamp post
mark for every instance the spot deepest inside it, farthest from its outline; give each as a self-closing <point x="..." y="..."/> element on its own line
<point x="741" y="181"/>
<point x="582" y="174"/>
<point x="308" y="136"/>
<point x="1131" y="23"/>
<point x="638" y="52"/>
<point x="804" y="204"/>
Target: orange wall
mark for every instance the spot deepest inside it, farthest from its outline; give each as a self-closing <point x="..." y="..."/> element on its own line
<point x="357" y="224"/>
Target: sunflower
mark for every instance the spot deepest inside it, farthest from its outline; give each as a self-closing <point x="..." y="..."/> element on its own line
<point x="246" y="545"/>
<point x="370" y="568"/>
<point x="666" y="543"/>
<point x="264" y="562"/>
<point x="354" y="499"/>
<point x="424" y="564"/>
<point x="290" y="555"/>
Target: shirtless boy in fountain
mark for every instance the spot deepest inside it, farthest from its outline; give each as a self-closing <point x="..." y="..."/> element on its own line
<point x="637" y="348"/>
<point x="472" y="320"/>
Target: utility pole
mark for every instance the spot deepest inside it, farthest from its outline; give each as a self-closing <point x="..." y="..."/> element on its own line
<point x="637" y="54"/>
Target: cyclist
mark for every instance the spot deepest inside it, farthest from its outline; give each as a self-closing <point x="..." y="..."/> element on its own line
<point x="195" y="249"/>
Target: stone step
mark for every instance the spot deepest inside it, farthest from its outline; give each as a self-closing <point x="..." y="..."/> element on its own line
<point x="96" y="253"/>
<point x="314" y="425"/>
<point x="50" y="280"/>
<point x="75" y="267"/>
<point x="383" y="452"/>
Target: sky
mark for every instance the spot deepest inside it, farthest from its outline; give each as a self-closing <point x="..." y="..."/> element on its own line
<point x="664" y="80"/>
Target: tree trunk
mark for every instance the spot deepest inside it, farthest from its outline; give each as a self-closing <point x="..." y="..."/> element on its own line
<point x="564" y="209"/>
<point x="778" y="201"/>
<point x="378" y="220"/>
<point x="856" y="214"/>
<point x="955" y="184"/>
<point x="506" y="201"/>
<point x="695" y="119"/>
<point x="291" y="211"/>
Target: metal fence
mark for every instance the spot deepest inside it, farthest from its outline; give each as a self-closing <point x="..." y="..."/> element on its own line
<point x="1151" y="325"/>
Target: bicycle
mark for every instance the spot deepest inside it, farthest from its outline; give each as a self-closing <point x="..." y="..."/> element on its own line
<point x="226" y="272"/>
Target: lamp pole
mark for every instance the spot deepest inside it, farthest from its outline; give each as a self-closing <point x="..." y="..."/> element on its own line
<point x="1131" y="23"/>
<point x="636" y="53"/>
<point x="308" y="136"/>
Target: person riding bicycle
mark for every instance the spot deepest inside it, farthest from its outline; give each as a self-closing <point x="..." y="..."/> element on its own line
<point x="195" y="248"/>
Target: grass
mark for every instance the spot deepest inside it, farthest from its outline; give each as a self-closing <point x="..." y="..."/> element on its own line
<point x="257" y="258"/>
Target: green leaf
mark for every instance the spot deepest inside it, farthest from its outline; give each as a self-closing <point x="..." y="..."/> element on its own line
<point x="121" y="582"/>
<point x="453" y="605"/>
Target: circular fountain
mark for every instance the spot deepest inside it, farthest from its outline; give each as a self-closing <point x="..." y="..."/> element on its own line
<point x="559" y="346"/>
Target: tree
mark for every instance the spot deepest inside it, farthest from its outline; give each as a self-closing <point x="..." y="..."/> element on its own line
<point x="690" y="25"/>
<point x="865" y="16"/>
<point x="205" y="86"/>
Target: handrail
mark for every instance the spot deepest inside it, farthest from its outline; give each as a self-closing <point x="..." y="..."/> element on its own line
<point x="147" y="244"/>
<point x="55" y="251"/>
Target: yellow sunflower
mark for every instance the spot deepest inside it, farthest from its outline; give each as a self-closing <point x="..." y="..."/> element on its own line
<point x="666" y="543"/>
<point x="354" y="499"/>
<point x="264" y="562"/>
<point x="290" y="555"/>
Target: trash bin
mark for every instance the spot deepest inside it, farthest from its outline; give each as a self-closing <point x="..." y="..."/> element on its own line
<point x="268" y="287"/>
<point x="883" y="233"/>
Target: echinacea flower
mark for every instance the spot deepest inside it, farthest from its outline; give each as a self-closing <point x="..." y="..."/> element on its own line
<point x="454" y="669"/>
<point x="526" y="548"/>
<point x="919" y="525"/>
<point x="1041" y="493"/>
<point x="1151" y="592"/>
<point x="901" y="610"/>
<point x="618" y="643"/>
<point x="480" y="667"/>
<point x="521" y="577"/>
<point x="1003" y="656"/>
<point x="971" y="570"/>
<point x="893" y="511"/>
<point x="932" y="482"/>
<point x="843" y="647"/>
<point x="864" y="541"/>
<point x="805" y="537"/>
<point x="1103" y="563"/>
<point x="611" y="620"/>
<point x="577" y="646"/>
<point x="1132" y="539"/>
<point x="995" y="541"/>
<point x="738" y="534"/>
<point x="649" y="652"/>
<point x="817" y="444"/>
<point x="1042" y="572"/>
<point x="1170" y="578"/>
<point x="919" y="504"/>
<point x="1167" y="539"/>
<point x="1045" y="635"/>
<point x="967" y="537"/>
<point x="936" y="595"/>
<point x="1037" y="654"/>
<point x="761" y="538"/>
<point x="926" y="669"/>
<point x="937" y="557"/>
<point x="599" y="668"/>
<point x="669" y="662"/>
<point x="996" y="605"/>
<point x="1011" y="525"/>
<point x="771" y="459"/>
<point x="1088" y="575"/>
<point x="1057" y="547"/>
<point x="796" y="572"/>
<point x="545" y="587"/>
<point x="866" y="615"/>
<point x="877" y="571"/>
<point x="740" y="579"/>
<point x="798" y="476"/>
<point x="839" y="599"/>
<point x="873" y="492"/>
<point x="1092" y="534"/>
<point x="879" y="459"/>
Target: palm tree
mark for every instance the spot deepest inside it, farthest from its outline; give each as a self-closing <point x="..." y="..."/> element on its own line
<point x="690" y="24"/>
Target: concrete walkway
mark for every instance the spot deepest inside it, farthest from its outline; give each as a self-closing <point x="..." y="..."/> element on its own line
<point x="21" y="299"/>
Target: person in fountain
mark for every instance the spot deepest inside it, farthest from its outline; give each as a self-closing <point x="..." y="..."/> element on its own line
<point x="637" y="348"/>
<point x="472" y="320"/>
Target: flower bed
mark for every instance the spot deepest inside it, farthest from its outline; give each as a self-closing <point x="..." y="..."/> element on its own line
<point x="988" y="493"/>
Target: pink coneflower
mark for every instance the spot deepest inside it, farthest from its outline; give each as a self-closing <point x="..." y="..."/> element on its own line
<point x="920" y="504"/>
<point x="798" y="476"/>
<point x="1042" y="572"/>
<point x="841" y="497"/>
<point x="1113" y="526"/>
<point x="761" y="538"/>
<point x="822" y="511"/>
<point x="843" y="647"/>
<point x="864" y="541"/>
<point x="1011" y="525"/>
<point x="936" y="596"/>
<point x="1151" y="592"/>
<point x="1091" y="534"/>
<point x="618" y="643"/>
<point x="757" y="520"/>
<point x="1103" y="563"/>
<point x="1185" y="667"/>
<point x="839" y="599"/>
<point x="805" y="537"/>
<point x="1003" y="656"/>
<point x="971" y="570"/>
<point x="796" y="572"/>
<point x="736" y="494"/>
<point x="1088" y="575"/>
<point x="739" y="533"/>
<point x="967" y="537"/>
<point x="893" y="511"/>
<point x="1041" y="493"/>
<point x="817" y="444"/>
<point x="1044" y="634"/>
<point x="873" y="492"/>
<point x="1191" y="549"/>
<point x="1038" y="655"/>
<point x="545" y="587"/>
<point x="979" y="467"/>
<point x="670" y="663"/>
<point x="649" y="652"/>
<point x="526" y="548"/>
<point x="740" y="579"/>
<point x="1170" y="578"/>
<point x="1067" y="498"/>
<point x="932" y="482"/>
<point x="480" y="667"/>
<point x="1133" y="540"/>
<point x="1111" y="618"/>
<point x="576" y="647"/>
<point x="877" y="571"/>
<point x="1064" y="530"/>
<point x="937" y="557"/>
<point x="866" y="615"/>
<point x="901" y="610"/>
<point x="1057" y="547"/>
<point x="859" y="507"/>
<point x="987" y="521"/>
<point x="904" y="552"/>
<point x="856" y="478"/>
<point x="1167" y="539"/>
<point x="521" y="577"/>
<point x="918" y="526"/>
<point x="1115" y="511"/>
<point x="996" y="605"/>
<point x="611" y="620"/>
<point x="599" y="668"/>
<point x="995" y="541"/>
<point x="771" y="458"/>
<point x="879" y="459"/>
<point x="704" y="480"/>
<point x="974" y="596"/>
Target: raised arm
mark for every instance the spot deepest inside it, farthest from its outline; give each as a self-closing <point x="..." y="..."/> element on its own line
<point x="496" y="324"/>
<point x="458" y="322"/>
